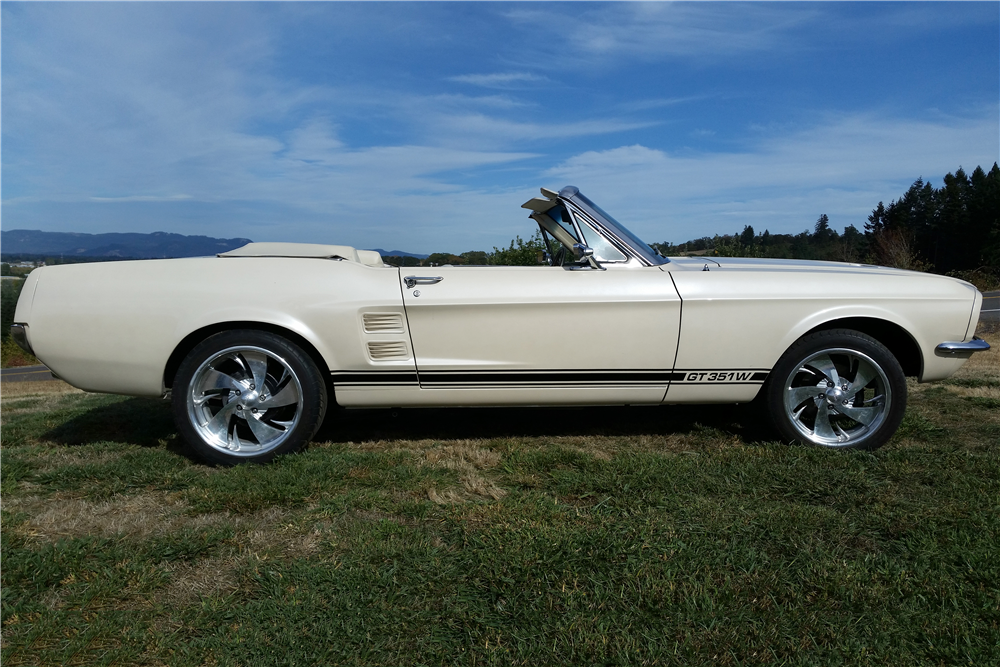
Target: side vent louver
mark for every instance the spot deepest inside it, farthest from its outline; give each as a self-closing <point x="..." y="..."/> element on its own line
<point x="384" y="350"/>
<point x="382" y="322"/>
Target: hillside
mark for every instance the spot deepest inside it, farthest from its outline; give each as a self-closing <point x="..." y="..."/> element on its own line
<point x="70" y="244"/>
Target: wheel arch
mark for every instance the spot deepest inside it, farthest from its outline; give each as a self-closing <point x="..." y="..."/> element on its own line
<point x="192" y="339"/>
<point x="894" y="337"/>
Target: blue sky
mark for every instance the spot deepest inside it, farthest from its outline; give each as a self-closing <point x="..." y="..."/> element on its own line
<point x="424" y="126"/>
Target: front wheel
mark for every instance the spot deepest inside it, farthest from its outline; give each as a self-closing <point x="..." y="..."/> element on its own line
<point x="838" y="388"/>
<point x="247" y="395"/>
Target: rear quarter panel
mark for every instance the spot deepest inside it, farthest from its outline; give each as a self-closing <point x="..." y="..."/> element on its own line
<point x="111" y="327"/>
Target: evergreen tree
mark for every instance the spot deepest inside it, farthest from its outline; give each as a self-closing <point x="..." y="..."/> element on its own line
<point x="822" y="228"/>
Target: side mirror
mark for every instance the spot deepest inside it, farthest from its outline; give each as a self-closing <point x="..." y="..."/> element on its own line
<point x="585" y="252"/>
<point x="582" y="251"/>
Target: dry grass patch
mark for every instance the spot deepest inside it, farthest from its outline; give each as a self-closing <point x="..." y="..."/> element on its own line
<point x="465" y="455"/>
<point x="157" y="514"/>
<point x="27" y="389"/>
<point x="190" y="582"/>
<point x="481" y="486"/>
<point x="19" y="398"/>
<point x="474" y="487"/>
<point x="276" y="532"/>
<point x="142" y="516"/>
<point x="445" y="497"/>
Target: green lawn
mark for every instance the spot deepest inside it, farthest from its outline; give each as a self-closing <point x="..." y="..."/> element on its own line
<point x="613" y="536"/>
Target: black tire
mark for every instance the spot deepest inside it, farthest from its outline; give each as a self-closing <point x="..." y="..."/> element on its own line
<point x="838" y="388"/>
<point x="226" y="418"/>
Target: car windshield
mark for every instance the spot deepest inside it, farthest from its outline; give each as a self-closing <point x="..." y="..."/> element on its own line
<point x="613" y="225"/>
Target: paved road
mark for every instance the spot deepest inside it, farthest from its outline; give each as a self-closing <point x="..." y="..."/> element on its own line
<point x="991" y="307"/>
<point x="26" y="374"/>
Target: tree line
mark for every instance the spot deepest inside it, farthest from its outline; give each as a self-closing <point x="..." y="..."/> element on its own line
<point x="952" y="230"/>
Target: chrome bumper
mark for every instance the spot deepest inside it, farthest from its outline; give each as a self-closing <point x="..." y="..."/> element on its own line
<point x="19" y="332"/>
<point x="949" y="348"/>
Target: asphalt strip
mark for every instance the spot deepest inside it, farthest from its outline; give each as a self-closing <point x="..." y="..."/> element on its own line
<point x="26" y="374"/>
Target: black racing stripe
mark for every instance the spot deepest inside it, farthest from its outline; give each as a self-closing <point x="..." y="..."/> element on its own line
<point x="560" y="377"/>
<point x="375" y="377"/>
<point x="540" y="385"/>
<point x="548" y="378"/>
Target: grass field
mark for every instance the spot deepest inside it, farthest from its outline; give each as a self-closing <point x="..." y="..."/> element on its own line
<point x="607" y="536"/>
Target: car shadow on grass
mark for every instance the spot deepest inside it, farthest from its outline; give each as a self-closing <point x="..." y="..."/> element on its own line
<point x="146" y="422"/>
<point x="744" y="421"/>
<point x="149" y="422"/>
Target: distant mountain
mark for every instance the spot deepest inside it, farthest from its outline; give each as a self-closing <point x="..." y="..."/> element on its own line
<point x="139" y="246"/>
<point x="131" y="245"/>
<point x="399" y="253"/>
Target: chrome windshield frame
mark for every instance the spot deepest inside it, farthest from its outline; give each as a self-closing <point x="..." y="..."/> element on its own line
<point x="610" y="228"/>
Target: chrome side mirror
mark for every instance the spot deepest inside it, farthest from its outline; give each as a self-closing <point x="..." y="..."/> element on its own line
<point x="584" y="252"/>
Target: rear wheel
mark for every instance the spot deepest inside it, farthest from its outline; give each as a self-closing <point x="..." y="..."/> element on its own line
<point x="838" y="388"/>
<point x="247" y="395"/>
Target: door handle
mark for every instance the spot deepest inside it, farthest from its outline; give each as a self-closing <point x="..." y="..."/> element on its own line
<point x="413" y="281"/>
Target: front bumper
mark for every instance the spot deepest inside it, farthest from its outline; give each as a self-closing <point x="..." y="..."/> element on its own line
<point x="961" y="349"/>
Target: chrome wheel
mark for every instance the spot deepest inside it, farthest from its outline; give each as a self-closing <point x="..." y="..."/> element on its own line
<point x="837" y="388"/>
<point x="837" y="397"/>
<point x="244" y="401"/>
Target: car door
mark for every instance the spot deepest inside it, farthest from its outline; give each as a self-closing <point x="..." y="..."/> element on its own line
<point x="498" y="335"/>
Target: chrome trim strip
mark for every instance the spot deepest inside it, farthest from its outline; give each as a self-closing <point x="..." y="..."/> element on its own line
<point x="977" y="344"/>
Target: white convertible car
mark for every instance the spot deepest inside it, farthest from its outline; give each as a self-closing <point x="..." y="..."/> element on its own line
<point x="253" y="345"/>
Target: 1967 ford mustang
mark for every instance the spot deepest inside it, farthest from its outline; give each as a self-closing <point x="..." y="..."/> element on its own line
<point x="253" y="345"/>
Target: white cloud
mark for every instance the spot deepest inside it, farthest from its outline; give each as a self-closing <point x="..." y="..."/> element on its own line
<point x="605" y="35"/>
<point x="478" y="129"/>
<point x="842" y="166"/>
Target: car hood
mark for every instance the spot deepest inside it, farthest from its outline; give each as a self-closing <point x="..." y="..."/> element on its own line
<point x="790" y="265"/>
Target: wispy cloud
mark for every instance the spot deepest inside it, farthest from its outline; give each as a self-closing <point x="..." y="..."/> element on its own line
<point x="608" y="36"/>
<point x="484" y="130"/>
<point x="662" y="103"/>
<point x="135" y="198"/>
<point x="499" y="80"/>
